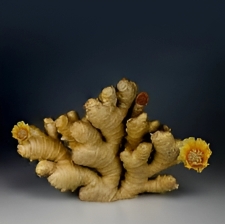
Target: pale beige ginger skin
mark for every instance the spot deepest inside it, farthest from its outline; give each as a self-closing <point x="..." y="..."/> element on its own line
<point x="106" y="153"/>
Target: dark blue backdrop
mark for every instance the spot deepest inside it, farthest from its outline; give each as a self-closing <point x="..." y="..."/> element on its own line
<point x="54" y="55"/>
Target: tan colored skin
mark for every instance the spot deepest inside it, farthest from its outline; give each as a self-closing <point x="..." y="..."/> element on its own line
<point x="94" y="161"/>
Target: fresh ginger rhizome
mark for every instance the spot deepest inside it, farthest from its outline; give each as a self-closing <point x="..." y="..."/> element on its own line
<point x="106" y="153"/>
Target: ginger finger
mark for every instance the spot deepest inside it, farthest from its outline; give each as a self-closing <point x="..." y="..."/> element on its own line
<point x="166" y="152"/>
<point x="126" y="94"/>
<point x="106" y="118"/>
<point x="153" y="126"/>
<point x="140" y="103"/>
<point x="63" y="124"/>
<point x="161" y="184"/>
<point x="108" y="96"/>
<point x="50" y="128"/>
<point x="84" y="132"/>
<point x="136" y="129"/>
<point x="92" y="151"/>
<point x="73" y="116"/>
<point x="165" y="145"/>
<point x="38" y="146"/>
<point x="45" y="168"/>
<point x="66" y="176"/>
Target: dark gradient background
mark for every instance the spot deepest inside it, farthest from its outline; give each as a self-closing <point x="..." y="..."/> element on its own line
<point x="54" y="55"/>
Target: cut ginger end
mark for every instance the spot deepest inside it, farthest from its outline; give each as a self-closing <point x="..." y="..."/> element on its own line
<point x="20" y="131"/>
<point x="195" y="154"/>
<point x="114" y="152"/>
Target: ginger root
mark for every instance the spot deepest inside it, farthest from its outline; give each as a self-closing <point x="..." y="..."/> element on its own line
<point x="114" y="152"/>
